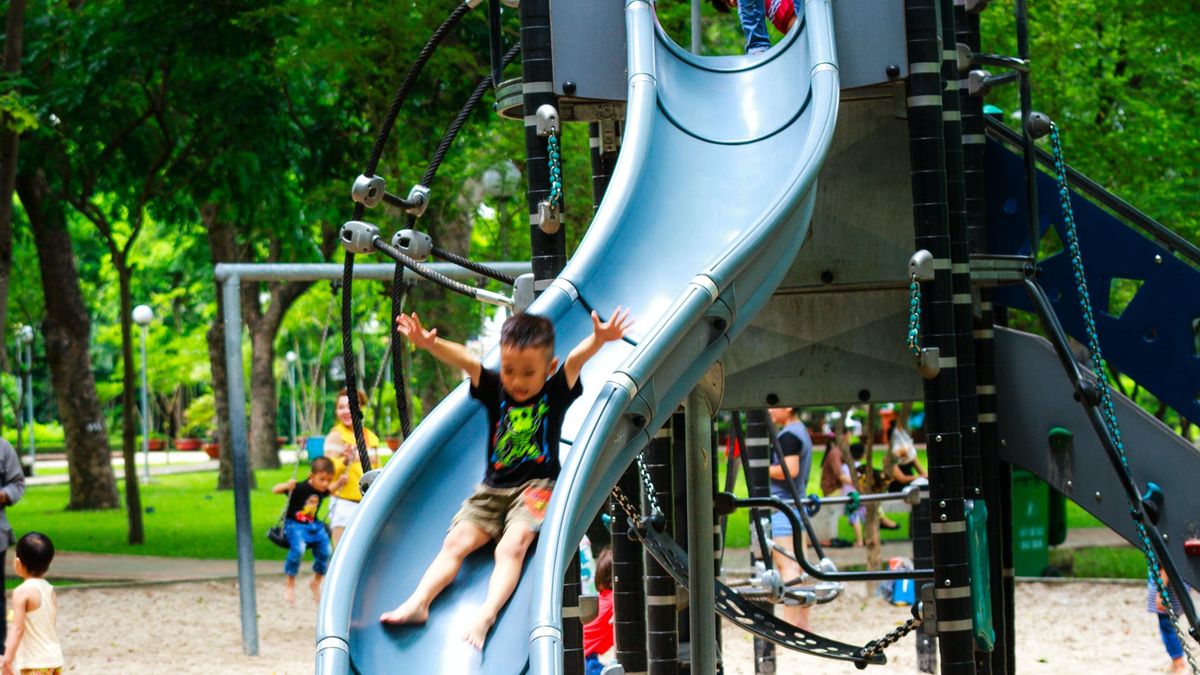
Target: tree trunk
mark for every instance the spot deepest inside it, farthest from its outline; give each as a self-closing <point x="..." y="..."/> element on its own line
<point x="221" y="244"/>
<point x="66" y="331"/>
<point x="133" y="497"/>
<point x="9" y="144"/>
<point x="263" y="398"/>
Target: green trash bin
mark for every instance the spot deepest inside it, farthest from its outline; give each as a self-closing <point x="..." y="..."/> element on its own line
<point x="1030" y="524"/>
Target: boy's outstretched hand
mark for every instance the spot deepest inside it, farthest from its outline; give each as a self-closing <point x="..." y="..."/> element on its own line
<point x="409" y="325"/>
<point x="614" y="328"/>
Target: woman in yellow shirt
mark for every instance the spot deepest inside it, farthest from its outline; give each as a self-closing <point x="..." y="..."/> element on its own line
<point x="340" y="447"/>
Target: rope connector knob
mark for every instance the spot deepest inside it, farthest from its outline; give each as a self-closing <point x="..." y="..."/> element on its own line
<point x="1038" y="124"/>
<point x="368" y="190"/>
<point x="920" y="265"/>
<point x="414" y="244"/>
<point x="358" y="236"/>
<point x="549" y="218"/>
<point x="418" y="198"/>
<point x="547" y="120"/>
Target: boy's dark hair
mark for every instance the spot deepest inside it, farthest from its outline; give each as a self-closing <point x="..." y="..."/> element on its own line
<point x="604" y="570"/>
<point x="362" y="396"/>
<point x="35" y="551"/>
<point x="858" y="450"/>
<point x="720" y="6"/>
<point x="322" y="465"/>
<point x="525" y="331"/>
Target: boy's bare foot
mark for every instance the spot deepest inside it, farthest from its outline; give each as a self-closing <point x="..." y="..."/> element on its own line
<point x="478" y="628"/>
<point x="289" y="594"/>
<point x="409" y="612"/>
<point x="315" y="585"/>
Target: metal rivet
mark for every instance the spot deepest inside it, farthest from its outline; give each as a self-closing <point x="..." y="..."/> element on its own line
<point x="1097" y="495"/>
<point x="947" y="582"/>
<point x="1165" y="537"/>
<point x="1070" y="485"/>
<point x="943" y="517"/>
<point x="942" y="503"/>
<point x="1003" y="442"/>
<point x="938" y="438"/>
<point x="974" y="430"/>
<point x="1157" y="259"/>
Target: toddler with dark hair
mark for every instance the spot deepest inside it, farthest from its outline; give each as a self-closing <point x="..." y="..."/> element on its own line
<point x="598" y="633"/>
<point x="526" y="400"/>
<point x="32" y="647"/>
<point x="302" y="524"/>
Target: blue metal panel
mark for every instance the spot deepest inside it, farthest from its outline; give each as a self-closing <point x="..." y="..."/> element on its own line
<point x="1152" y="341"/>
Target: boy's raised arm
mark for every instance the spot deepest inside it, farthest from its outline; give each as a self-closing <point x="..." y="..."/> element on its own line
<point x="602" y="332"/>
<point x="449" y="353"/>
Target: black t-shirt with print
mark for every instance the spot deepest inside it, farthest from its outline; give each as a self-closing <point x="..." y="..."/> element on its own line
<point x="523" y="437"/>
<point x="305" y="502"/>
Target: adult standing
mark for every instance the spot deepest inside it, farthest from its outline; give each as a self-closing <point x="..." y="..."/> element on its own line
<point x="794" y="446"/>
<point x="12" y="488"/>
<point x="341" y="447"/>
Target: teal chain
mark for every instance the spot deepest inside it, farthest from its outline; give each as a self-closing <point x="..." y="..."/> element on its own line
<point x="914" y="316"/>
<point x="555" y="162"/>
<point x="1108" y="408"/>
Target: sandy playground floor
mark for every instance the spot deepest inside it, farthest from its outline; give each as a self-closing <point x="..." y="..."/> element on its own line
<point x="1064" y="629"/>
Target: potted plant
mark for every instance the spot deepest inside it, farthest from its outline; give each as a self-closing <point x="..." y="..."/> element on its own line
<point x="393" y="442"/>
<point x="157" y="442"/>
<point x="199" y="418"/>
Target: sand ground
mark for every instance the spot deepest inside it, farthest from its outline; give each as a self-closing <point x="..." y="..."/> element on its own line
<point x="1062" y="629"/>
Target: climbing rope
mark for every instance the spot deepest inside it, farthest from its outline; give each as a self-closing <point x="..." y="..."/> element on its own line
<point x="1108" y="408"/>
<point x="914" y="316"/>
<point x="555" y="163"/>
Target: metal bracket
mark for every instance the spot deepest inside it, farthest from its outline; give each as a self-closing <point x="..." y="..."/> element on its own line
<point x="589" y="607"/>
<point x="976" y="6"/>
<point x="368" y="478"/>
<point x="418" y="196"/>
<point x="548" y="217"/>
<point x="609" y="139"/>
<point x="368" y="190"/>
<point x="980" y="82"/>
<point x="963" y="56"/>
<point x="523" y="293"/>
<point x="928" y="610"/>
<point x="1038" y="124"/>
<point x="359" y="237"/>
<point x="920" y="265"/>
<point x="547" y="121"/>
<point x="997" y="270"/>
<point x="928" y="363"/>
<point x="414" y="244"/>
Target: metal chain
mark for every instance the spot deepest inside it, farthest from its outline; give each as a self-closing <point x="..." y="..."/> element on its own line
<point x="626" y="506"/>
<point x="651" y="493"/>
<point x="877" y="646"/>
<point x="914" y="316"/>
<point x="1108" y="408"/>
<point x="555" y="163"/>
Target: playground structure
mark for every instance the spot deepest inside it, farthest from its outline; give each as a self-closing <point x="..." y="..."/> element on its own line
<point x="708" y="172"/>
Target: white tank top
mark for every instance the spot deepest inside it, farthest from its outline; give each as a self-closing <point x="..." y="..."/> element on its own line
<point x="39" y="647"/>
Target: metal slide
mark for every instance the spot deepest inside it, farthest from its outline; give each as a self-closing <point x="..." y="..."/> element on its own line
<point x="707" y="207"/>
<point x="1034" y="396"/>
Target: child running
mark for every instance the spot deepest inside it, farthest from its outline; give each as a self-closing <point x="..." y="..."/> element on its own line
<point x="304" y="528"/>
<point x="525" y="400"/>
<point x="32" y="647"/>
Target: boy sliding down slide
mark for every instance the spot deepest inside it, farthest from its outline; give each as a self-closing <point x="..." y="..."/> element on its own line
<point x="525" y="400"/>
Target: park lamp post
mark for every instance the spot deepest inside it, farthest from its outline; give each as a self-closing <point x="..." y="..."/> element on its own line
<point x="142" y="316"/>
<point x="25" y="362"/>
<point x="291" y="358"/>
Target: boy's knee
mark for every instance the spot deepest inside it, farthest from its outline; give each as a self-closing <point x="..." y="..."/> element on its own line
<point x="515" y="542"/>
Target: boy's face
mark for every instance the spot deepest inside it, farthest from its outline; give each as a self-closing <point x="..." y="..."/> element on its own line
<point x="523" y="370"/>
<point x="320" y="480"/>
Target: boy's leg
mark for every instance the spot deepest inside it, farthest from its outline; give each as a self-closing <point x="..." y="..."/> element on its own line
<point x="291" y="566"/>
<point x="510" y="557"/>
<point x="790" y="569"/>
<point x="462" y="540"/>
<point x="322" y="550"/>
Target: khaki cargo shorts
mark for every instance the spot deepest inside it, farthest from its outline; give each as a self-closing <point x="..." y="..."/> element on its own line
<point x="494" y="510"/>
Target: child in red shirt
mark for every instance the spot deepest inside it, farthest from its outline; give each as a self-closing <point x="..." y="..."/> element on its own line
<point x="598" y="633"/>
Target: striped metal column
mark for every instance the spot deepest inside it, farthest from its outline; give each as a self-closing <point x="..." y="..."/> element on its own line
<point x="572" y="625"/>
<point x="757" y="461"/>
<point x="943" y="441"/>
<point x="629" y="604"/>
<point x="537" y="74"/>
<point x="604" y="142"/>
<point x="662" y="609"/>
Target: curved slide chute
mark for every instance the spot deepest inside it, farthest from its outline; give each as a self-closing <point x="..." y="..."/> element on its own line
<point x="708" y="205"/>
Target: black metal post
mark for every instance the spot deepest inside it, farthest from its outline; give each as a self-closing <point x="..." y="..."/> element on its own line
<point x="718" y="537"/>
<point x="975" y="201"/>
<point x="943" y="441"/>
<point x="604" y="141"/>
<point x="537" y="73"/>
<point x="662" y="609"/>
<point x="629" y="605"/>
<point x="680" y="523"/>
<point x="1025" y="85"/>
<point x="757" y="459"/>
<point x="572" y="624"/>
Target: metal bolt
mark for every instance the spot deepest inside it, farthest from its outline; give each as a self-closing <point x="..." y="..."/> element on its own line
<point x="943" y="517"/>
<point x="1165" y="537"/>
<point x="1157" y="259"/>
<point x="1097" y="495"/>
<point x="1070" y="485"/>
<point x="974" y="430"/>
<point x="947" y="582"/>
<point x="942" y="503"/>
<point x="1003" y="442"/>
<point x="938" y="438"/>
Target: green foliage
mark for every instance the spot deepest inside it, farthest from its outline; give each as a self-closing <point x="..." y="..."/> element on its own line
<point x="199" y="417"/>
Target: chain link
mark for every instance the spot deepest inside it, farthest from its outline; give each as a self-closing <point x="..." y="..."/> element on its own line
<point x="914" y="316"/>
<point x="651" y="493"/>
<point x="554" y="160"/>
<point x="626" y="506"/>
<point x="877" y="646"/>
<point x="1108" y="408"/>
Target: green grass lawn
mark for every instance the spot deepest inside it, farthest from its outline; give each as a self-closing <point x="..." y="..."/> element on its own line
<point x="1125" y="562"/>
<point x="184" y="516"/>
